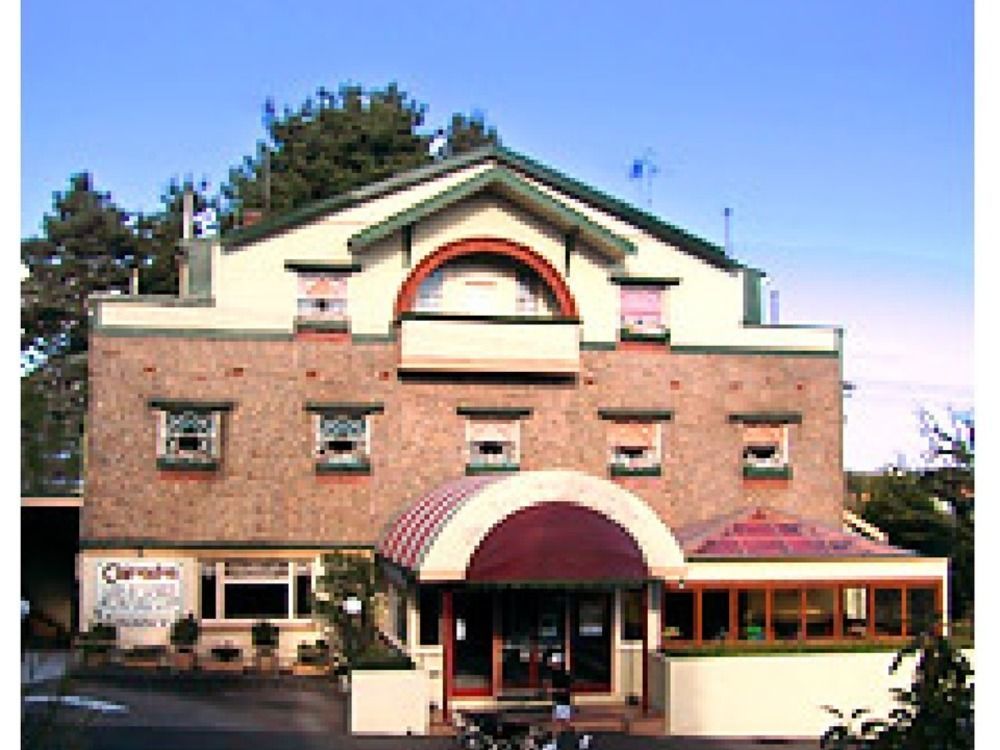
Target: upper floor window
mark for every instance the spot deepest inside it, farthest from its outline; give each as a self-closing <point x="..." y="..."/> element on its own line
<point x="189" y="434"/>
<point x="341" y="440"/>
<point x="485" y="286"/>
<point x="322" y="295"/>
<point x="492" y="438"/>
<point x="642" y="310"/>
<point x="765" y="450"/>
<point x="633" y="447"/>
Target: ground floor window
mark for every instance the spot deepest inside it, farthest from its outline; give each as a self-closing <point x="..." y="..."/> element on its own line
<point x="632" y="614"/>
<point x="256" y="589"/>
<point x="430" y="616"/>
<point x="776" y="611"/>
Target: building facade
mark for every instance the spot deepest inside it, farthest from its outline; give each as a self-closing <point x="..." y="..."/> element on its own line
<point x="560" y="424"/>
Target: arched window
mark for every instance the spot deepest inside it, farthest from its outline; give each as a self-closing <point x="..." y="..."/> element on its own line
<point x="485" y="284"/>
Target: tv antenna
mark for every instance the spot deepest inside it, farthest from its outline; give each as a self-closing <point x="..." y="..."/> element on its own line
<point x="643" y="170"/>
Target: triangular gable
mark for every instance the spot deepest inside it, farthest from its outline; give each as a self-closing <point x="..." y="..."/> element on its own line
<point x="505" y="183"/>
<point x="502" y="157"/>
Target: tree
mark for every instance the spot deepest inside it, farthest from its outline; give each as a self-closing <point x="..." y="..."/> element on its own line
<point x="931" y="511"/>
<point x="334" y="143"/>
<point x="88" y="246"/>
<point x="345" y="576"/>
<point x="935" y="713"/>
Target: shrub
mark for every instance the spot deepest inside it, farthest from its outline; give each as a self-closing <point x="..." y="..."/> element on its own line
<point x="264" y="634"/>
<point x="184" y="633"/>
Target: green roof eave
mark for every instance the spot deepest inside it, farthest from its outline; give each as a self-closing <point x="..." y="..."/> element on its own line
<point x="707" y="251"/>
<point x="506" y="183"/>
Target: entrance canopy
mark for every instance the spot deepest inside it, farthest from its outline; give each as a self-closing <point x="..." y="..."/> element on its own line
<point x="540" y="526"/>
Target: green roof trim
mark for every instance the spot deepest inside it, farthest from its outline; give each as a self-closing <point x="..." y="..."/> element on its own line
<point x="767" y="417"/>
<point x="631" y="413"/>
<point x="166" y="402"/>
<point x="657" y="281"/>
<point x="506" y="183"/>
<point x="661" y="230"/>
<point x="320" y="266"/>
<point x="493" y="411"/>
<point x="344" y="408"/>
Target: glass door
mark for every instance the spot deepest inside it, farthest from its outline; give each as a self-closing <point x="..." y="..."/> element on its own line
<point x="533" y="631"/>
<point x="473" y="639"/>
<point x="590" y="641"/>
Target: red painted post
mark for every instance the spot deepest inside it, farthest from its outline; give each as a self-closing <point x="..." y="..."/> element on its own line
<point x="447" y="639"/>
<point x="646" y="592"/>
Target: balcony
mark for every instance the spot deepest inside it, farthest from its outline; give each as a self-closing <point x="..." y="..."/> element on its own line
<point x="489" y="344"/>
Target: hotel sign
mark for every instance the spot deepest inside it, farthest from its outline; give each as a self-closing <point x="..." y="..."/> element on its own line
<point x="139" y="592"/>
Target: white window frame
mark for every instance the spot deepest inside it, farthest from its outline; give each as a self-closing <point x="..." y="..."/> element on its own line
<point x="331" y="301"/>
<point x="469" y="430"/>
<point x="782" y="459"/>
<point x="214" y="435"/>
<point x="656" y="448"/>
<point x="289" y="579"/>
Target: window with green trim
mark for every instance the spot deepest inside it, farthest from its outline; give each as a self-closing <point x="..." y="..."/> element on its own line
<point x="633" y="447"/>
<point x="493" y="443"/>
<point x="322" y="295"/>
<point x="342" y="440"/>
<point x="188" y="438"/>
<point x="765" y="451"/>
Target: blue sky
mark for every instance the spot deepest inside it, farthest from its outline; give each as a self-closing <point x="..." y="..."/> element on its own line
<point x="841" y="134"/>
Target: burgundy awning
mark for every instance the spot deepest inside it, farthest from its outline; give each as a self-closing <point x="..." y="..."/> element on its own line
<point x="555" y="542"/>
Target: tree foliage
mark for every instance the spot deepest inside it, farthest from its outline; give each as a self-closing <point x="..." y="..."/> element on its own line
<point x="334" y="143"/>
<point x="931" y="511"/>
<point x="935" y="712"/>
<point x="348" y="575"/>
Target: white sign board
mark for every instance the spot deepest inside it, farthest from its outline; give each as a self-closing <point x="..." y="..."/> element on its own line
<point x="138" y="592"/>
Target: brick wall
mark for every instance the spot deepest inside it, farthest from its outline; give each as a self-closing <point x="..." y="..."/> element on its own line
<point x="267" y="490"/>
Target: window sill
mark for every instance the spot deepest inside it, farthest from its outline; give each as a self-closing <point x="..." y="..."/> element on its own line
<point x="321" y="325"/>
<point x="662" y="337"/>
<point x="472" y="469"/>
<point x="627" y="471"/>
<point x="174" y="464"/>
<point x="761" y="472"/>
<point x="358" y="468"/>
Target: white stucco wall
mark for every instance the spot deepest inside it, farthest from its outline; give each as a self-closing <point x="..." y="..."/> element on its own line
<point x="389" y="702"/>
<point x="775" y="695"/>
<point x="253" y="290"/>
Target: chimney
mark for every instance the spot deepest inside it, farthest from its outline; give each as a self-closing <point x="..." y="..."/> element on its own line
<point x="252" y="216"/>
<point x="133" y="282"/>
<point x="188" y="225"/>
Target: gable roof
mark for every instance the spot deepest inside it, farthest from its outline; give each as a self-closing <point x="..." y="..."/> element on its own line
<point x="507" y="184"/>
<point x="659" y="229"/>
<point x="767" y="533"/>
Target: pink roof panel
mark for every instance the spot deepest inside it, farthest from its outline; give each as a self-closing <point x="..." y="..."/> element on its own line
<point x="767" y="533"/>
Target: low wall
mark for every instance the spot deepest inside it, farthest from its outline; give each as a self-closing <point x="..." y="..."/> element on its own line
<point x="774" y="695"/>
<point x="389" y="702"/>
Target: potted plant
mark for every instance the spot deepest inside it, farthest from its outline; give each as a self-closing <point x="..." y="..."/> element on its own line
<point x="184" y="637"/>
<point x="97" y="644"/>
<point x="265" y="642"/>
<point x="313" y="658"/>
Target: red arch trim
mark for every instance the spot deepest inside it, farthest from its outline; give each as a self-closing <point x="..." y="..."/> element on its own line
<point x="493" y="246"/>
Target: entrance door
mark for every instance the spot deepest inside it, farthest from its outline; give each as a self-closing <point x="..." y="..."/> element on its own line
<point x="590" y="642"/>
<point x="533" y="630"/>
<point x="473" y="639"/>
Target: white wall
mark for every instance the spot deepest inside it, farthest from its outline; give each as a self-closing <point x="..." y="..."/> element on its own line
<point x="775" y="695"/>
<point x="389" y="702"/>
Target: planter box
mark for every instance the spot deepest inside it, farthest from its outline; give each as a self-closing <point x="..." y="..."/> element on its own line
<point x="229" y="667"/>
<point x="310" y="670"/>
<point x="407" y="691"/>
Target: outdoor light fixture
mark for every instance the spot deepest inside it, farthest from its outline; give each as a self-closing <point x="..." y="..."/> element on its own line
<point x="352" y="605"/>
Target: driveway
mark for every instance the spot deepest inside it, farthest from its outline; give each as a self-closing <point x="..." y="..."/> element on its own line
<point x="237" y="714"/>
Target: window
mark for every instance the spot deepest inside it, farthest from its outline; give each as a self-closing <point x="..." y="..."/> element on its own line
<point x="527" y="294"/>
<point x="493" y="444"/>
<point x="401" y="615"/>
<point x="322" y="296"/>
<point x="429" y="294"/>
<point x="855" y="612"/>
<point x="633" y="447"/>
<point x="921" y="610"/>
<point x="787" y="614"/>
<point x="632" y="614"/>
<point x="678" y="616"/>
<point x="765" y="450"/>
<point x="430" y="616"/>
<point x="751" y="610"/>
<point x="888" y="612"/>
<point x="341" y="440"/>
<point x="254" y="589"/>
<point x="819" y="613"/>
<point x="642" y="311"/>
<point x="714" y="615"/>
<point x="189" y="438"/>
